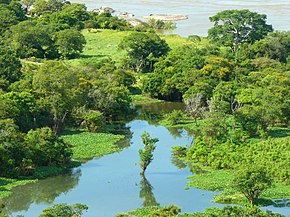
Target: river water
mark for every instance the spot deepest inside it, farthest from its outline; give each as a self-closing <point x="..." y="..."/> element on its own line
<point x="277" y="11"/>
<point x="112" y="184"/>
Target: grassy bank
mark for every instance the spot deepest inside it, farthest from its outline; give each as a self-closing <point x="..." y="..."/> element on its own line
<point x="221" y="180"/>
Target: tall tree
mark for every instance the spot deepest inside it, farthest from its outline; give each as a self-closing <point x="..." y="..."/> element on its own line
<point x="146" y="154"/>
<point x="56" y="87"/>
<point x="234" y="27"/>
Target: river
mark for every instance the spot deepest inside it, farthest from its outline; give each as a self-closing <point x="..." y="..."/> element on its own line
<point x="112" y="184"/>
<point x="198" y="11"/>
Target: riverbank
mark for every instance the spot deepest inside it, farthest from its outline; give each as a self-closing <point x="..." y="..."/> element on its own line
<point x="85" y="145"/>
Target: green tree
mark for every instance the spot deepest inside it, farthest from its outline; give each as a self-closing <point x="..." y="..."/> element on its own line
<point x="70" y="43"/>
<point x="47" y="6"/>
<point x="110" y="98"/>
<point x="12" y="151"/>
<point x="35" y="41"/>
<point x="146" y="154"/>
<point x="21" y="107"/>
<point x="252" y="182"/>
<point x="261" y="105"/>
<point x="10" y="67"/>
<point x="46" y="148"/>
<point x="7" y="18"/>
<point x="234" y="27"/>
<point x="143" y="49"/>
<point x="64" y="210"/>
<point x="56" y="88"/>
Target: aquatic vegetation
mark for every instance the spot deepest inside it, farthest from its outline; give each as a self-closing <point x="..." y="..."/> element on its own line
<point x="86" y="145"/>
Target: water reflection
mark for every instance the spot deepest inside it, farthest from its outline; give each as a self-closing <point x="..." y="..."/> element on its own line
<point x="43" y="191"/>
<point x="178" y="163"/>
<point x="146" y="192"/>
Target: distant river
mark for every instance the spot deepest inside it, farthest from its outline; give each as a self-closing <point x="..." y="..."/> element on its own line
<point x="277" y="11"/>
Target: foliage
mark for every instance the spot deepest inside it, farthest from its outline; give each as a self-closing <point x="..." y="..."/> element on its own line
<point x="252" y="182"/>
<point x="11" y="148"/>
<point x="110" y="98"/>
<point x="152" y="211"/>
<point x="21" y="107"/>
<point x="56" y="87"/>
<point x="146" y="154"/>
<point x="70" y="43"/>
<point x="106" y="21"/>
<point x="143" y="50"/>
<point x="93" y="121"/>
<point x="173" y="118"/>
<point x="229" y="211"/>
<point x="47" y="148"/>
<point x="42" y="7"/>
<point x="64" y="210"/>
<point x="234" y="27"/>
<point x="35" y="41"/>
<point x="9" y="67"/>
<point x="87" y="145"/>
<point x="173" y="211"/>
<point x="7" y="17"/>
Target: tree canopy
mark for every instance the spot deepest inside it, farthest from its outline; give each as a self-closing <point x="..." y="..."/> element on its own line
<point x="234" y="27"/>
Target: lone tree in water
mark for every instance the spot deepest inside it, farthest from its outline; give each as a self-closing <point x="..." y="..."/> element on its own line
<point x="146" y="154"/>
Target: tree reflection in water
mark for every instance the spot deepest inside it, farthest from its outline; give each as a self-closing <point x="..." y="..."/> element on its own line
<point x="146" y="192"/>
<point x="43" y="191"/>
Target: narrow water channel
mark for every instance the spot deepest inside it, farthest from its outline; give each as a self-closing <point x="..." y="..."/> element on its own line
<point x="112" y="184"/>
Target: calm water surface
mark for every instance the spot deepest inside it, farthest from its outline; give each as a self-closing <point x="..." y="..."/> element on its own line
<point x="277" y="11"/>
<point x="112" y="184"/>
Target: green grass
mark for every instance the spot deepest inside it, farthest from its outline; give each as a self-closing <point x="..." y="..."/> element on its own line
<point x="103" y="43"/>
<point x="87" y="145"/>
<point x="7" y="184"/>
<point x="221" y="180"/>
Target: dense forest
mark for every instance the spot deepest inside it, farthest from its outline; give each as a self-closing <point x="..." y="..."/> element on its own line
<point x="235" y="85"/>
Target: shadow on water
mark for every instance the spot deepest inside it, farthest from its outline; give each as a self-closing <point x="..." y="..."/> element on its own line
<point x="146" y="192"/>
<point x="43" y="191"/>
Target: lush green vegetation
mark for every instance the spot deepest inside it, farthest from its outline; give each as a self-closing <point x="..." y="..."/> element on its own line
<point x="235" y="86"/>
<point x="173" y="211"/>
<point x="86" y="145"/>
